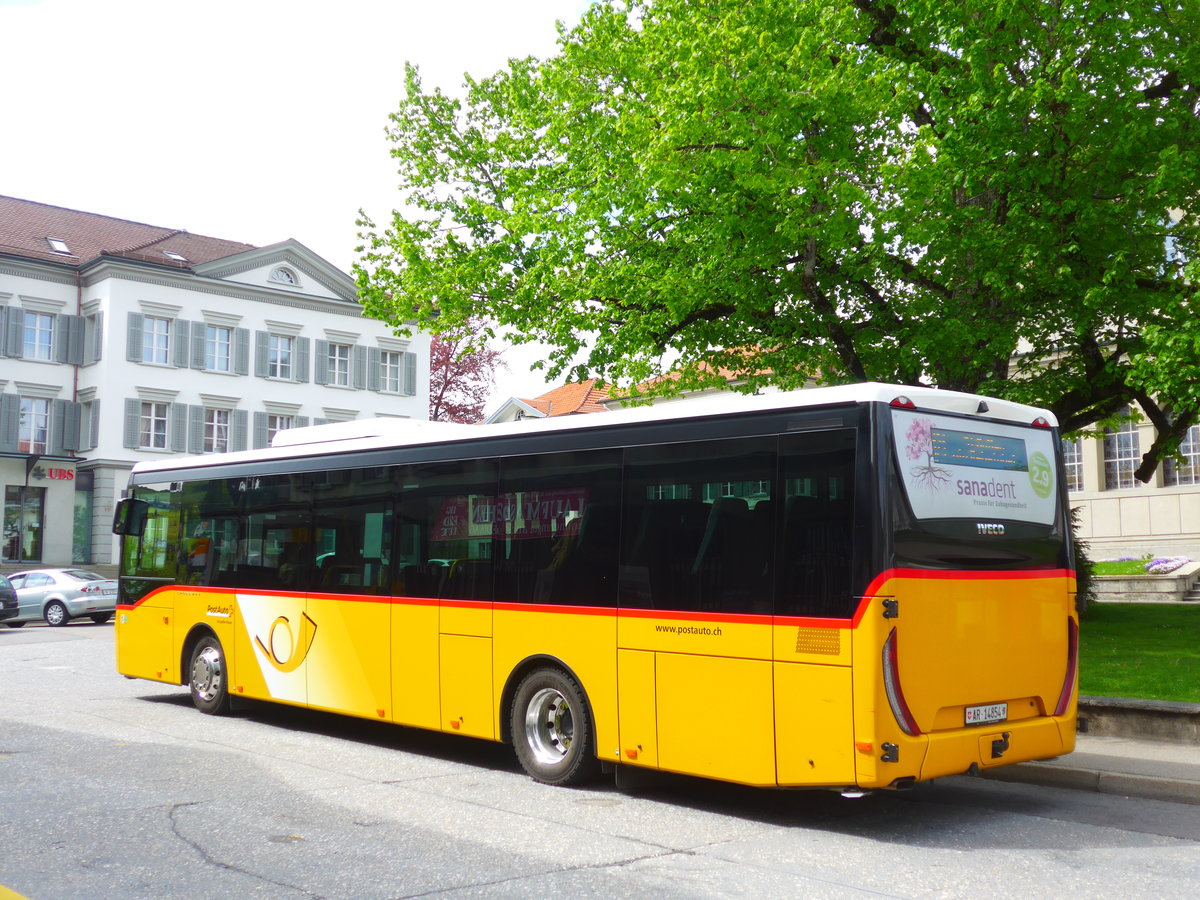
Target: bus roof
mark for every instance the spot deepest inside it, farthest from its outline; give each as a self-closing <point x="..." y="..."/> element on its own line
<point x="386" y="433"/>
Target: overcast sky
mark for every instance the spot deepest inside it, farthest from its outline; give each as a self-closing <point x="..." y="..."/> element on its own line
<point x="250" y="120"/>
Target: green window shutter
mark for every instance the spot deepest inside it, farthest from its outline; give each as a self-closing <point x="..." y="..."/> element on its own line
<point x="133" y="338"/>
<point x="133" y="424"/>
<point x="260" y="430"/>
<point x="181" y="344"/>
<point x="198" y="334"/>
<point x="374" y="364"/>
<point x="195" y="442"/>
<point x="64" y="426"/>
<point x="238" y="429"/>
<point x="14" y="332"/>
<point x="321" y="363"/>
<point x="93" y="338"/>
<point x="241" y="351"/>
<point x="93" y="427"/>
<point x="178" y="426"/>
<point x="10" y="422"/>
<point x="260" y="354"/>
<point x="358" y="356"/>
<point x="300" y="369"/>
<point x="410" y="374"/>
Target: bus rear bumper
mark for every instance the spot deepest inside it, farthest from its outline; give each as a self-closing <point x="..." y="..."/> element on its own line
<point x="965" y="749"/>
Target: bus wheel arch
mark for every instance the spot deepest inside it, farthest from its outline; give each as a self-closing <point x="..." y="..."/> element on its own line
<point x="550" y="723"/>
<point x="204" y="668"/>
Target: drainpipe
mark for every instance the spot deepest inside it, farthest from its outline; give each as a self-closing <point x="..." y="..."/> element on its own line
<point x="79" y="313"/>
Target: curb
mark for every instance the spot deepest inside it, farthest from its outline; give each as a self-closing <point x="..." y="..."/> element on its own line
<point x="1146" y="787"/>
<point x="1156" y="720"/>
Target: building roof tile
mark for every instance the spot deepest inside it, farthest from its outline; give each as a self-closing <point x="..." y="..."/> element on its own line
<point x="26" y="228"/>
<point x="567" y="399"/>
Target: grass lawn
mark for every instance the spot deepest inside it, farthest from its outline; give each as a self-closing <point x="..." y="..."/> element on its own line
<point x="1123" y="567"/>
<point x="1145" y="650"/>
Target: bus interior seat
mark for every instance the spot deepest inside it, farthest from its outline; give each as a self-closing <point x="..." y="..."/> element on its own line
<point x="726" y="534"/>
<point x="667" y="538"/>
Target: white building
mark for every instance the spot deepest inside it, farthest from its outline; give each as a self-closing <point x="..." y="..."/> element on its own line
<point x="1124" y="517"/>
<point x="121" y="341"/>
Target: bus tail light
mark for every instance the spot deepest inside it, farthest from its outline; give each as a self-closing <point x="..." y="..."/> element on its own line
<point x="903" y="402"/>
<point x="1041" y="422"/>
<point x="1064" y="698"/>
<point x="891" y="684"/>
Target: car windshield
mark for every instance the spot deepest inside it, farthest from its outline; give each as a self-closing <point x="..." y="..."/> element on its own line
<point x="82" y="575"/>
<point x="4" y="582"/>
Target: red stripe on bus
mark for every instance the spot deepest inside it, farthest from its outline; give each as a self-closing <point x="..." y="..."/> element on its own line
<point x="960" y="575"/>
<point x="864" y="602"/>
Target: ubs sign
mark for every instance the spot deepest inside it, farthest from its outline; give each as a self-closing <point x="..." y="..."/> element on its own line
<point x="55" y="474"/>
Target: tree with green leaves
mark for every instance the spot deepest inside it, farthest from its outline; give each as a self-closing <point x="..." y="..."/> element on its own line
<point x="993" y="196"/>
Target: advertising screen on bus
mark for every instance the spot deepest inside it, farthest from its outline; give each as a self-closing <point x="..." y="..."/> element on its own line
<point x="957" y="469"/>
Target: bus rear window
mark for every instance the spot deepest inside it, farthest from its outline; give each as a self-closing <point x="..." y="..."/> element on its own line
<point x="952" y="468"/>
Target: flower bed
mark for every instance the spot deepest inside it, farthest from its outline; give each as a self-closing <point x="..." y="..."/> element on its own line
<point x="1163" y="565"/>
<point x="1143" y="565"/>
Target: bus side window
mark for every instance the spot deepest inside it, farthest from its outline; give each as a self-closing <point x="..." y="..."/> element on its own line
<point x="445" y="514"/>
<point x="209" y="529"/>
<point x="817" y="470"/>
<point x="691" y="514"/>
<point x="153" y="553"/>
<point x="353" y="536"/>
<point x="556" y="541"/>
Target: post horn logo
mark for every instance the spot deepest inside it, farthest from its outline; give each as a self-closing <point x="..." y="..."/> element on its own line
<point x="284" y="649"/>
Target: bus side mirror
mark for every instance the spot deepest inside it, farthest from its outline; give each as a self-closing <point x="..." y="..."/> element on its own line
<point x="130" y="517"/>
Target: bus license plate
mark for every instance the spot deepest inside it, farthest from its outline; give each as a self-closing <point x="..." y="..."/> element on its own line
<point x="985" y="715"/>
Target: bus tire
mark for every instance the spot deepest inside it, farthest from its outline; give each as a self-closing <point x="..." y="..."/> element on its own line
<point x="552" y="729"/>
<point x="209" y="677"/>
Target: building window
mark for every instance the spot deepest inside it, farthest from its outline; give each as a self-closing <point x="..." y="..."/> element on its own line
<point x="39" y="336"/>
<point x="389" y="373"/>
<point x="1188" y="471"/>
<point x="339" y="364"/>
<point x="153" y="426"/>
<point x="283" y="275"/>
<point x="1121" y="455"/>
<point x="218" y="345"/>
<point x="1073" y="463"/>
<point x="34" y="430"/>
<point x="23" y="509"/>
<point x="279" y="356"/>
<point x="156" y="336"/>
<point x="276" y="424"/>
<point x="216" y="431"/>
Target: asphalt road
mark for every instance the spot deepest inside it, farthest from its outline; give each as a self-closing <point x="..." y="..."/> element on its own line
<point x="119" y="789"/>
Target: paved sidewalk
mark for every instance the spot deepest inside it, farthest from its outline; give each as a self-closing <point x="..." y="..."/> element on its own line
<point x="1155" y="770"/>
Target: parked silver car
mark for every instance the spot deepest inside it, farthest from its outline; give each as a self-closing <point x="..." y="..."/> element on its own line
<point x="8" y="599"/>
<point x="60" y="595"/>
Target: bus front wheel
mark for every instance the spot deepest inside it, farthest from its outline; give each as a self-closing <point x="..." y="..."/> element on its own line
<point x="209" y="678"/>
<point x="552" y="729"/>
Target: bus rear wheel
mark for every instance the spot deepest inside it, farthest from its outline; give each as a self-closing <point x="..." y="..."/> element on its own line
<point x="209" y="678"/>
<point x="553" y="733"/>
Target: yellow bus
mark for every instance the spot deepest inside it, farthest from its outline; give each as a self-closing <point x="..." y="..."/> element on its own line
<point x="854" y="587"/>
